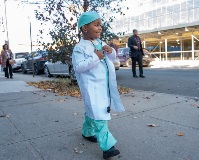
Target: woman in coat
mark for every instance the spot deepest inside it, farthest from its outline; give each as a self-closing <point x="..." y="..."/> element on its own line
<point x="6" y="55"/>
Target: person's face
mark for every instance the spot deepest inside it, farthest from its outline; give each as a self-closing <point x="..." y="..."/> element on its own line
<point x="6" y="47"/>
<point x="135" y="33"/>
<point x="93" y="29"/>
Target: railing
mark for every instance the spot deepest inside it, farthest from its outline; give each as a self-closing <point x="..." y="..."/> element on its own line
<point x="182" y="55"/>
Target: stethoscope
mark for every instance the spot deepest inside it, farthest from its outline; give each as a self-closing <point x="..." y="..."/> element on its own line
<point x="109" y="107"/>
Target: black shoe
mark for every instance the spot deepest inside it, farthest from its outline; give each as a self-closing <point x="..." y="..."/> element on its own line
<point x="135" y="76"/>
<point x="11" y="77"/>
<point x="91" y="138"/>
<point x="111" y="153"/>
<point x="7" y="77"/>
<point x="142" y="76"/>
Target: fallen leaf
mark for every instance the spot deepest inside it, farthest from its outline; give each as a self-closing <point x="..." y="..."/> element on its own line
<point x="62" y="100"/>
<point x="147" y="98"/>
<point x="63" y="87"/>
<point x="180" y="134"/>
<point x="4" y="115"/>
<point x="78" y="149"/>
<point x="152" y="125"/>
<point x="59" y="100"/>
<point x="193" y="105"/>
<point x="115" y="114"/>
<point x="75" y="114"/>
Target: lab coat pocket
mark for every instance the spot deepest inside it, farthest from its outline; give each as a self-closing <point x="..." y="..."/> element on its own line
<point x="88" y="94"/>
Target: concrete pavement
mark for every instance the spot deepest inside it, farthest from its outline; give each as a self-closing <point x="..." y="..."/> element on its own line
<point x="39" y="125"/>
<point x="175" y="64"/>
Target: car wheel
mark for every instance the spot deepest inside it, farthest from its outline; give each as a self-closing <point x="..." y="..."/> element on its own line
<point x="129" y="63"/>
<point x="146" y="65"/>
<point x="46" y="72"/>
<point x="72" y="74"/>
<point x="23" y="70"/>
<point x="36" y="70"/>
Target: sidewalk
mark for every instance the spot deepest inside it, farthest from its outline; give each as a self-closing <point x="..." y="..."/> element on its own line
<point x="40" y="125"/>
<point x="175" y="64"/>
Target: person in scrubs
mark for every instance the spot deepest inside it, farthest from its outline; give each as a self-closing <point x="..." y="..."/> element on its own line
<point x="95" y="73"/>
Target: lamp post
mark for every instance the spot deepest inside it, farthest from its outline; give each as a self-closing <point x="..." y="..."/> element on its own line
<point x="6" y="22"/>
<point x="30" y="31"/>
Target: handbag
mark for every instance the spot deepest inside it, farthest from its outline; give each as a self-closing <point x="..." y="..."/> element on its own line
<point x="11" y="62"/>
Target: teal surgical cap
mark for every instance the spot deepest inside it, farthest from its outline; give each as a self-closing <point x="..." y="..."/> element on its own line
<point x="86" y="18"/>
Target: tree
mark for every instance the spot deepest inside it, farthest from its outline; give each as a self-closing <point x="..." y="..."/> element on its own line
<point x="62" y="16"/>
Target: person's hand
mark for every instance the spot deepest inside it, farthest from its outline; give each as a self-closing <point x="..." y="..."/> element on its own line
<point x="107" y="48"/>
<point x="135" y="47"/>
<point x="100" y="54"/>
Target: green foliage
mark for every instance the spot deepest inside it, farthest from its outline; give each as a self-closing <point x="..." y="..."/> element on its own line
<point x="61" y="15"/>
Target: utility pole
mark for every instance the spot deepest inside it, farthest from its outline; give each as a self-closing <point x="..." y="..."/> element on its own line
<point x="6" y="22"/>
<point x="33" y="67"/>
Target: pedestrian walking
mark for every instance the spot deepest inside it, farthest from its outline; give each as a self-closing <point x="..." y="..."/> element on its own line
<point x="7" y="61"/>
<point x="136" y="53"/>
<point x="95" y="74"/>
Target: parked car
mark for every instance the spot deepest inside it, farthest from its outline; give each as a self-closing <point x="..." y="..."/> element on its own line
<point x="59" y="69"/>
<point x="123" y="55"/>
<point x="66" y="69"/>
<point x="125" y="59"/>
<point x="117" y="63"/>
<point x="18" y="58"/>
<point x="35" y="59"/>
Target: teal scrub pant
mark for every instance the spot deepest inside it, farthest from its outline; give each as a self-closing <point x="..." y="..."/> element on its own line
<point x="99" y="128"/>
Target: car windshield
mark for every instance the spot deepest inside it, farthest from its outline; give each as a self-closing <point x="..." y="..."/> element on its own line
<point x="20" y="55"/>
<point x="126" y="50"/>
<point x="122" y="51"/>
<point x="39" y="53"/>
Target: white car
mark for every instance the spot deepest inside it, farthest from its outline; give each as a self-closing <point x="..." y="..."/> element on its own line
<point x="117" y="63"/>
<point x="18" y="58"/>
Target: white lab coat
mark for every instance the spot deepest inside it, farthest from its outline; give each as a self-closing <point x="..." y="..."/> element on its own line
<point x="91" y="77"/>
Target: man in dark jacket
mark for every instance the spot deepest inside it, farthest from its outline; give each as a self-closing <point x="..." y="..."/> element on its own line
<point x="136" y="53"/>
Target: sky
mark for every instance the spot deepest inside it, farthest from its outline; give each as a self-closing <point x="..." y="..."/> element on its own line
<point x="19" y="23"/>
<point x="19" y="18"/>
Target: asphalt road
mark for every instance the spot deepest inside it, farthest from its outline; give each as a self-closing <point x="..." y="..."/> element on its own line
<point x="172" y="81"/>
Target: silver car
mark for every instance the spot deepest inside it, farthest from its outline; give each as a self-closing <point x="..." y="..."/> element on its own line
<point x="59" y="69"/>
<point x="18" y="59"/>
